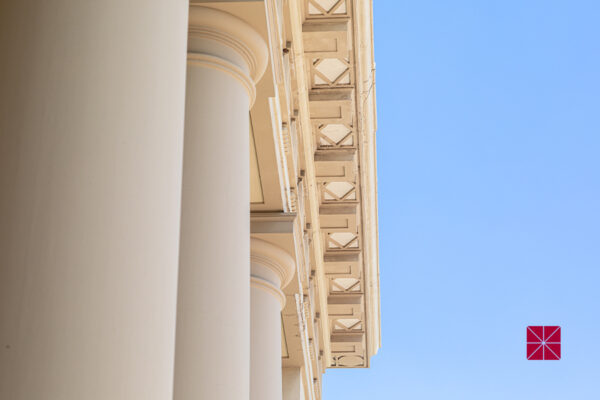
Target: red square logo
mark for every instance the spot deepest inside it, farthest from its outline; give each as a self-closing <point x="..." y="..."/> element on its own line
<point x="543" y="342"/>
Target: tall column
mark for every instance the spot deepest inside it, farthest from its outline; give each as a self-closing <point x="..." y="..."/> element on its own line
<point x="225" y="58"/>
<point x="91" y="135"/>
<point x="272" y="268"/>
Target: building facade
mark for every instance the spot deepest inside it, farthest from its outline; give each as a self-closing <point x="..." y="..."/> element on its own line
<point x="189" y="198"/>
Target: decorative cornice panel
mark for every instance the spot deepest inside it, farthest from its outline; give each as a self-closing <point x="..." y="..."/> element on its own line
<point x="323" y="123"/>
<point x="342" y="154"/>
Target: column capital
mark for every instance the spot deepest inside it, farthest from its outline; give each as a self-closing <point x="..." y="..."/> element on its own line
<point x="272" y="268"/>
<point x="225" y="42"/>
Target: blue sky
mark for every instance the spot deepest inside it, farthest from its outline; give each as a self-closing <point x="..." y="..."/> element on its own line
<point x="489" y="200"/>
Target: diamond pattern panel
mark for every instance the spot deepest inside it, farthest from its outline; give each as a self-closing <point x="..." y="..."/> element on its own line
<point x="335" y="136"/>
<point x="331" y="72"/>
<point x="327" y="8"/>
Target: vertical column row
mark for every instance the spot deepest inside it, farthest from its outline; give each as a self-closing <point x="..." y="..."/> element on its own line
<point x="91" y="172"/>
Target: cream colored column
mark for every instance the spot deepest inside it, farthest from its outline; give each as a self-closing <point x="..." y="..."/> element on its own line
<point x="292" y="384"/>
<point x="272" y="268"/>
<point x="91" y="134"/>
<point x="225" y="57"/>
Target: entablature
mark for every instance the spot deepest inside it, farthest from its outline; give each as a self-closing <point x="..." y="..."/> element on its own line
<point x="318" y="113"/>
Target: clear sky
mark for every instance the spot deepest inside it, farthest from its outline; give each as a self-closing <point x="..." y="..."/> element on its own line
<point x="489" y="200"/>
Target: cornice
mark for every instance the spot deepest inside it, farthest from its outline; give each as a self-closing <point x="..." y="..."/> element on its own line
<point x="366" y="112"/>
<point x="323" y="123"/>
<point x="336" y="102"/>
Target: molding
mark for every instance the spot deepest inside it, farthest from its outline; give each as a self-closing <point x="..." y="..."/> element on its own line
<point x="302" y="325"/>
<point x="230" y="31"/>
<point x="266" y="286"/>
<point x="312" y="189"/>
<point x="274" y="23"/>
<point x="366" y="112"/>
<point x="282" y="166"/>
<point x="220" y="64"/>
<point x="274" y="258"/>
<point x="272" y="222"/>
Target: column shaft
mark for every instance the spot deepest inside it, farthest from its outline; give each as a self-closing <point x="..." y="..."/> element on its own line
<point x="91" y="135"/>
<point x="213" y="321"/>
<point x="214" y="293"/>
<point x="272" y="268"/>
<point x="265" y="346"/>
<point x="292" y="384"/>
